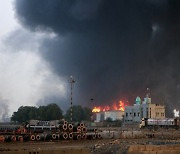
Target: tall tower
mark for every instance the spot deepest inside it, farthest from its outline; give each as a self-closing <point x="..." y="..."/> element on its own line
<point x="147" y="100"/>
<point x="147" y="92"/>
<point x="71" y="80"/>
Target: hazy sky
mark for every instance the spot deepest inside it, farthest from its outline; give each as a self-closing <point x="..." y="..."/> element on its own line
<point x="25" y="78"/>
<point x="114" y="49"/>
<point x="8" y="22"/>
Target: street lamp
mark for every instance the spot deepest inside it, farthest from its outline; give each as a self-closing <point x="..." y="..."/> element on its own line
<point x="71" y="81"/>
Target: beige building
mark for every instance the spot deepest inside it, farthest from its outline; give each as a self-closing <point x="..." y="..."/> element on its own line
<point x="156" y="111"/>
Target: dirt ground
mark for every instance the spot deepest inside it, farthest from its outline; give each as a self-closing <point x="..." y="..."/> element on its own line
<point x="113" y="142"/>
<point x="95" y="146"/>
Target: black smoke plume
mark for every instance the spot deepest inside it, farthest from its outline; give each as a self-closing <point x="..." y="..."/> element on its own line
<point x="115" y="49"/>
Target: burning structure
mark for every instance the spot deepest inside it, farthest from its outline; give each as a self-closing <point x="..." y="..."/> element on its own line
<point x="112" y="115"/>
<point x="114" y="112"/>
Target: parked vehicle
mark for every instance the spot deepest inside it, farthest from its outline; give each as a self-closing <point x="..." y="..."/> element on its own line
<point x="163" y="123"/>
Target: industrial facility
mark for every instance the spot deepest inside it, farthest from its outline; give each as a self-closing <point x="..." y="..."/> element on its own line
<point x="131" y="114"/>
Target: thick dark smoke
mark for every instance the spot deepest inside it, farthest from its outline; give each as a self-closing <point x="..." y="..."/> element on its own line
<point x="115" y="49"/>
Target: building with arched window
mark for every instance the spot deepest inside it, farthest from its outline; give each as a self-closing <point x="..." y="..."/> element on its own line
<point x="143" y="109"/>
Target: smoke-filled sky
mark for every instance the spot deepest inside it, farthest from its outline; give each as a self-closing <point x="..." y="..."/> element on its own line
<point x="114" y="49"/>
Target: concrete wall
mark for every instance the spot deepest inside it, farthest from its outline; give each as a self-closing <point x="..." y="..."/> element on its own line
<point x="154" y="149"/>
<point x="59" y="151"/>
<point x="114" y="115"/>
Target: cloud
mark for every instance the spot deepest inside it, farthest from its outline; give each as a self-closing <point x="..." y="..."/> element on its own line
<point x="115" y="49"/>
<point x="4" y="110"/>
<point x="26" y="78"/>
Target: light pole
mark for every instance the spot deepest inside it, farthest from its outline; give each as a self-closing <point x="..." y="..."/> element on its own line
<point x="71" y="80"/>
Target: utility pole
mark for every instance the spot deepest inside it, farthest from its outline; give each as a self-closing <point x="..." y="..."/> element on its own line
<point x="71" y="81"/>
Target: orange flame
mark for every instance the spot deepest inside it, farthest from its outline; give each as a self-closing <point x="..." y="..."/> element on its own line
<point x="106" y="108"/>
<point x="96" y="109"/>
<point x="120" y="106"/>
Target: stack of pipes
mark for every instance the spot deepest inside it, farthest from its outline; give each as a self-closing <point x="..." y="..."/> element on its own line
<point x="51" y="130"/>
<point x="93" y="133"/>
<point x="79" y="131"/>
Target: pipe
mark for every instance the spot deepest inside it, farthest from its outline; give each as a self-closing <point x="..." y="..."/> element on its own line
<point x="79" y="129"/>
<point x="60" y="127"/>
<point x="70" y="135"/>
<point x="95" y="130"/>
<point x="7" y="138"/>
<point x="78" y="137"/>
<point x="20" y="138"/>
<point x="33" y="138"/>
<point x="83" y="136"/>
<point x="54" y="137"/>
<point x="2" y="138"/>
<point x="65" y="136"/>
<point x="82" y="124"/>
<point x="70" y="127"/>
<point x="84" y="130"/>
<point x="26" y="137"/>
<point x="61" y="121"/>
<point x="99" y="136"/>
<point x="40" y="137"/>
<point x="65" y="122"/>
<point x="65" y="127"/>
<point x="93" y="136"/>
<point x="47" y="137"/>
<point x="13" y="138"/>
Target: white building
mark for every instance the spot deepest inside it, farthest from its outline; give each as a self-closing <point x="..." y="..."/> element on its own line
<point x="144" y="109"/>
<point x="114" y="115"/>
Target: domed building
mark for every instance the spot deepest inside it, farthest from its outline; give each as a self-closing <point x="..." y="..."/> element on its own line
<point x="143" y="109"/>
<point x="138" y="100"/>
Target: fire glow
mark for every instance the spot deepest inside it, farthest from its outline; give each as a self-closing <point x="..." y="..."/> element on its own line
<point x="117" y="107"/>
